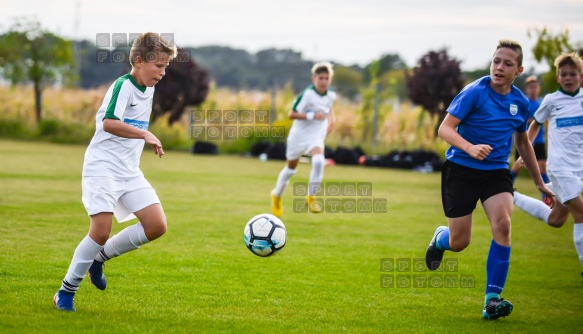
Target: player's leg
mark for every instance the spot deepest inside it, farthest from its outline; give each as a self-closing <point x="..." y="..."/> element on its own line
<point x="498" y="209"/>
<point x="459" y="195"/>
<point x="82" y="260"/>
<point x="293" y="152"/>
<point x="145" y="204"/>
<point x="316" y="176"/>
<point x="575" y="206"/>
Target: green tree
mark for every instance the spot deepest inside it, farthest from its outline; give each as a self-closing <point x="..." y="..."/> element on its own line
<point x="547" y="48"/>
<point x="28" y="53"/>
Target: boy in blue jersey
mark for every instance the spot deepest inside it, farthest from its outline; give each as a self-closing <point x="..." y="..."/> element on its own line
<point x="563" y="110"/>
<point x="112" y="182"/>
<point x="532" y="90"/>
<point x="480" y="125"/>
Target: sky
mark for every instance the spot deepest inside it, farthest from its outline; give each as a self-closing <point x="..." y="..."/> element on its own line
<point x="342" y="31"/>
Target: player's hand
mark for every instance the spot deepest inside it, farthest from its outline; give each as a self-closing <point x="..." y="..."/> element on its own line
<point x="520" y="163"/>
<point x="551" y="195"/>
<point x="149" y="138"/>
<point x="479" y="151"/>
<point x="320" y="115"/>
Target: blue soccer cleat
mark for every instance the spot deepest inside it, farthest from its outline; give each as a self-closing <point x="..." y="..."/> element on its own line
<point x="96" y="275"/>
<point x="496" y="308"/>
<point x="64" y="301"/>
<point x="434" y="255"/>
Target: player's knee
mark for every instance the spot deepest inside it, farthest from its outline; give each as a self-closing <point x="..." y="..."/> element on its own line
<point x="458" y="245"/>
<point x="156" y="229"/>
<point x="318" y="161"/>
<point x="99" y="237"/>
<point x="556" y="223"/>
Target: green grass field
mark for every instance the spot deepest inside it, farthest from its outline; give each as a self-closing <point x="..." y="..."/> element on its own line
<point x="200" y="278"/>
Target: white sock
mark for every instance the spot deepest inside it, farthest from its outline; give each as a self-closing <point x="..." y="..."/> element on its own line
<point x="578" y="238"/>
<point x="533" y="207"/>
<point x="82" y="260"/>
<point x="283" y="180"/>
<point x="128" y="239"/>
<point x="317" y="174"/>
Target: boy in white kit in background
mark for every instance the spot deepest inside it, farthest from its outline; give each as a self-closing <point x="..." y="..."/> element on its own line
<point x="313" y="119"/>
<point x="563" y="110"/>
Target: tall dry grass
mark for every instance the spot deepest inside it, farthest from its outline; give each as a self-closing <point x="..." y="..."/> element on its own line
<point x="401" y="125"/>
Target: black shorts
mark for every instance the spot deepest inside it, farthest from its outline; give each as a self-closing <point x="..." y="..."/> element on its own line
<point x="540" y="151"/>
<point x="462" y="186"/>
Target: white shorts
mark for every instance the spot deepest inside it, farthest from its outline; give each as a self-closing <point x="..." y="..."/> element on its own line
<point x="295" y="148"/>
<point x="566" y="185"/>
<point x="123" y="198"/>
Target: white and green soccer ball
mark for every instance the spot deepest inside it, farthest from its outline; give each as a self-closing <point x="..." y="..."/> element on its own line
<point x="265" y="235"/>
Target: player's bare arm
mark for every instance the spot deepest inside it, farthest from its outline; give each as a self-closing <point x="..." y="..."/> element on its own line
<point x="447" y="131"/>
<point x="121" y="129"/>
<point x="297" y="115"/>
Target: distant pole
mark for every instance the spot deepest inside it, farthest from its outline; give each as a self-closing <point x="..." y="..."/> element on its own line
<point x="273" y="97"/>
<point x="76" y="52"/>
<point x="375" y="117"/>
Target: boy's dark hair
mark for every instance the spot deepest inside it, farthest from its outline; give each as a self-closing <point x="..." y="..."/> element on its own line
<point x="147" y="46"/>
<point x="569" y="59"/>
<point x="513" y="45"/>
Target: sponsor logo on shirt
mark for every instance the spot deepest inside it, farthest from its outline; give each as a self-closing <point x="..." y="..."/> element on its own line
<point x="133" y="104"/>
<point x="569" y="121"/>
<point x="559" y="108"/>
<point x="136" y="123"/>
<point x="513" y="109"/>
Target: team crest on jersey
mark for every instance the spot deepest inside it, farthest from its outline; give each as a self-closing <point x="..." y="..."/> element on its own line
<point x="513" y="109"/>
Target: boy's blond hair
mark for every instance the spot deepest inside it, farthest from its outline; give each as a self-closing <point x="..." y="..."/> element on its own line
<point x="322" y="67"/>
<point x="147" y="46"/>
<point x="569" y="59"/>
<point x="513" y="45"/>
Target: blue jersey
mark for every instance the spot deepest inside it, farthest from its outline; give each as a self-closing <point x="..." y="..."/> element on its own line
<point x="534" y="104"/>
<point x="488" y="118"/>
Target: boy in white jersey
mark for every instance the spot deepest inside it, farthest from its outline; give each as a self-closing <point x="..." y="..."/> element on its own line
<point x="313" y="119"/>
<point x="113" y="183"/>
<point x="563" y="110"/>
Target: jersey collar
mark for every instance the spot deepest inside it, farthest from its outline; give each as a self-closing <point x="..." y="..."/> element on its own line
<point x="314" y="88"/>
<point x="136" y="84"/>
<point x="570" y="94"/>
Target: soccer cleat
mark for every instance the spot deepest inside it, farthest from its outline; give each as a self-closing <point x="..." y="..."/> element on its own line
<point x="96" y="275"/>
<point x="313" y="204"/>
<point x="433" y="255"/>
<point x="276" y="206"/>
<point x="64" y="301"/>
<point x="496" y="308"/>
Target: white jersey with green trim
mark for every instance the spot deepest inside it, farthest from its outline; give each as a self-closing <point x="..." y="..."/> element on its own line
<point x="112" y="156"/>
<point x="564" y="113"/>
<point x="310" y="101"/>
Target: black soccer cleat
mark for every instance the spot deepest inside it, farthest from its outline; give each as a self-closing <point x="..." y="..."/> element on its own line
<point x="96" y="275"/>
<point x="433" y="255"/>
<point x="497" y="308"/>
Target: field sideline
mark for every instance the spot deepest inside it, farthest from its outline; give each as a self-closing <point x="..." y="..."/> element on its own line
<point x="200" y="278"/>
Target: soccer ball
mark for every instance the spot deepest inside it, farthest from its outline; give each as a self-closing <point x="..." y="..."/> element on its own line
<point x="264" y="235"/>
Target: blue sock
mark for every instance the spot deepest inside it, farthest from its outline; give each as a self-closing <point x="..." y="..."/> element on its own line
<point x="497" y="267"/>
<point x="513" y="175"/>
<point x="442" y="240"/>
